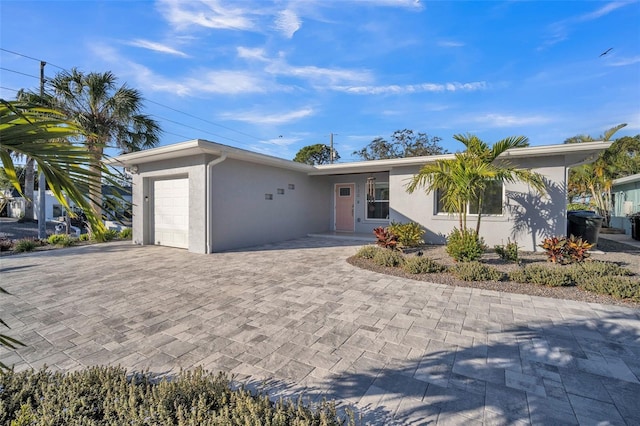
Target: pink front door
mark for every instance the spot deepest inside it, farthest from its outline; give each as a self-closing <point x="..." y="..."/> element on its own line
<point x="344" y="207"/>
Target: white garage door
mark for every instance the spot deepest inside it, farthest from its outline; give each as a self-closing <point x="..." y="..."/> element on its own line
<point x="171" y="212"/>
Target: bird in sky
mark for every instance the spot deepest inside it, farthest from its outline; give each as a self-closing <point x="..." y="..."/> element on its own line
<point x="606" y="51"/>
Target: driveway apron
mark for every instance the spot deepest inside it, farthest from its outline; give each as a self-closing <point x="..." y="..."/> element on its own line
<point x="295" y="318"/>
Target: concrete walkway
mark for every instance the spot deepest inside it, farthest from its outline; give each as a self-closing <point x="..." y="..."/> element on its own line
<point x="297" y="316"/>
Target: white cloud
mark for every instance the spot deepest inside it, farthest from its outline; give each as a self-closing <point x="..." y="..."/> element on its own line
<point x="259" y="117"/>
<point x="157" y="47"/>
<point x="412" y="88"/>
<point x="288" y="22"/>
<point x="624" y="61"/>
<point x="204" y="13"/>
<point x="450" y="43"/>
<point x="501" y="120"/>
<point x="227" y="82"/>
<point x="252" y="53"/>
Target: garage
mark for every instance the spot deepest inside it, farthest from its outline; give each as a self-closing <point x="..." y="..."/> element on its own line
<point x="171" y="212"/>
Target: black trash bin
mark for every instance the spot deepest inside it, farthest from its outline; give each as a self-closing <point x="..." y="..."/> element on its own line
<point x="584" y="224"/>
<point x="635" y="226"/>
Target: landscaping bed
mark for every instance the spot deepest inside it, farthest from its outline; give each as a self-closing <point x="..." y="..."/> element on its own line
<point x="608" y="251"/>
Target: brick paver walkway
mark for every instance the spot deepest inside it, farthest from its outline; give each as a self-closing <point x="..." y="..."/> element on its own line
<point x="297" y="316"/>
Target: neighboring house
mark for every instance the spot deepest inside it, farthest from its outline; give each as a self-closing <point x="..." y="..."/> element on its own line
<point x="54" y="210"/>
<point x="626" y="201"/>
<point x="209" y="197"/>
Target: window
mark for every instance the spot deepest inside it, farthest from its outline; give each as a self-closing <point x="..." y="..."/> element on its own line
<point x="492" y="201"/>
<point x="378" y="206"/>
<point x="345" y="192"/>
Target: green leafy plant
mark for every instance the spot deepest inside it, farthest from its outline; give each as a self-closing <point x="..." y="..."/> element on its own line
<point x="476" y="271"/>
<point x="422" y="265"/>
<point x="84" y="237"/>
<point x="126" y="234"/>
<point x="25" y="245"/>
<point x="108" y="395"/>
<point x="554" y="248"/>
<point x="617" y="286"/>
<point x="110" y="234"/>
<point x="388" y="258"/>
<point x="385" y="238"/>
<point x="577" y="249"/>
<point x="465" y="245"/>
<point x="508" y="252"/>
<point x="367" y="252"/>
<point x="61" y="240"/>
<point x="543" y="275"/>
<point x="409" y="234"/>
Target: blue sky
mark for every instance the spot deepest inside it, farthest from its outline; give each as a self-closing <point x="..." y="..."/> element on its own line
<point x="274" y="76"/>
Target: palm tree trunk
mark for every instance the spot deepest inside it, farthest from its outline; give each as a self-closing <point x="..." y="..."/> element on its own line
<point x="95" y="182"/>
<point x="29" y="186"/>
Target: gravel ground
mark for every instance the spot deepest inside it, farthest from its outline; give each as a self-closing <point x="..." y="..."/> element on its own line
<point x="607" y="250"/>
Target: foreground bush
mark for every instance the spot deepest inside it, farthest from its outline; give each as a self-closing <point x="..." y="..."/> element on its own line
<point x="476" y="271"/>
<point x="61" y="240"/>
<point x="106" y="395"/>
<point x="368" y="252"/>
<point x="422" y="265"/>
<point x="616" y="286"/>
<point x="543" y="275"/>
<point x="388" y="258"/>
<point x="25" y="245"/>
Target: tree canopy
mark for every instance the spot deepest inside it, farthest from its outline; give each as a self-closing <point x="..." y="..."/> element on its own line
<point x="316" y="154"/>
<point x="403" y="143"/>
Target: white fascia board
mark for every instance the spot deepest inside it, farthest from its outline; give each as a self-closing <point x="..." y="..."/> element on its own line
<point x="626" y="179"/>
<point x="585" y="150"/>
<point x="201" y="146"/>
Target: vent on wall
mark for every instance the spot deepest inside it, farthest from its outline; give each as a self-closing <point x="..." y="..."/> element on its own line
<point x="268" y="196"/>
<point x="280" y="191"/>
<point x="292" y="186"/>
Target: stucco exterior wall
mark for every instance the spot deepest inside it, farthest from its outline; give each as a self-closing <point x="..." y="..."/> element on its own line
<point x="628" y="192"/>
<point x="527" y="218"/>
<point x="192" y="167"/>
<point x="242" y="217"/>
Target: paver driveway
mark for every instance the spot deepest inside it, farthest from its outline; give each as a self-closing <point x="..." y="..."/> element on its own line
<point x="401" y="351"/>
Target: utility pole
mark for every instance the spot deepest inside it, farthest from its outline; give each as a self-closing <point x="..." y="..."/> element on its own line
<point x="331" y="151"/>
<point x="42" y="183"/>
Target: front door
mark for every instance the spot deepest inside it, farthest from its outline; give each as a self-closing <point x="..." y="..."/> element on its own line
<point x="344" y="207"/>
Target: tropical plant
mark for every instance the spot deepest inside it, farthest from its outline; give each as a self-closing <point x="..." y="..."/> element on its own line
<point x="409" y="234"/>
<point x="594" y="180"/>
<point x="464" y="179"/>
<point x="316" y="154"/>
<point x="109" y="116"/>
<point x="39" y="133"/>
<point x="465" y="245"/>
<point x="385" y="238"/>
<point x="564" y="250"/>
<point x="508" y="251"/>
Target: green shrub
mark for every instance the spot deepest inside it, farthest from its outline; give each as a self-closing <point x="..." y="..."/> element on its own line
<point x="585" y="271"/>
<point x="84" y="237"/>
<point x="476" y="271"/>
<point x="543" y="275"/>
<point x="388" y="258"/>
<point x="61" y="240"/>
<point x="126" y="234"/>
<point x="409" y="234"/>
<point x="578" y="206"/>
<point x="110" y="234"/>
<point x="367" y="252"/>
<point x="617" y="286"/>
<point x="107" y="395"/>
<point x="25" y="245"/>
<point x="422" y="265"/>
<point x="465" y="245"/>
<point x="508" y="252"/>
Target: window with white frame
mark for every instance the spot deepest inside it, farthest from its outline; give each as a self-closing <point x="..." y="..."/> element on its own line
<point x="378" y="204"/>
<point x="492" y="200"/>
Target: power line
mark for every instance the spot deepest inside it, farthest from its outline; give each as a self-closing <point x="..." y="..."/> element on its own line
<point x="20" y="72"/>
<point x="199" y="130"/>
<point x="147" y="100"/>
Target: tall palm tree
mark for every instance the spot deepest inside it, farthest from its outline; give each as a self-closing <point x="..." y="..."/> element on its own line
<point x="464" y="179"/>
<point x="109" y="115"/>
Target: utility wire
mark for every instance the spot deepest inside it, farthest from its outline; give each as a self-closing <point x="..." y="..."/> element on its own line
<point x="147" y="100"/>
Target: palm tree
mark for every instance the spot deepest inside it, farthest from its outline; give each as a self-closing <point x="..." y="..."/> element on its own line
<point x="465" y="178"/>
<point x="109" y="116"/>
<point x="595" y="179"/>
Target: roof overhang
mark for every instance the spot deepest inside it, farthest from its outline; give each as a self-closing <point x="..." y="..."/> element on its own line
<point x="576" y="154"/>
<point x="200" y="146"/>
<point x="626" y="179"/>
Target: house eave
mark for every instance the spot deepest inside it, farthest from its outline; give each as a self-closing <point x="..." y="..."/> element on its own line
<point x="626" y="179"/>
